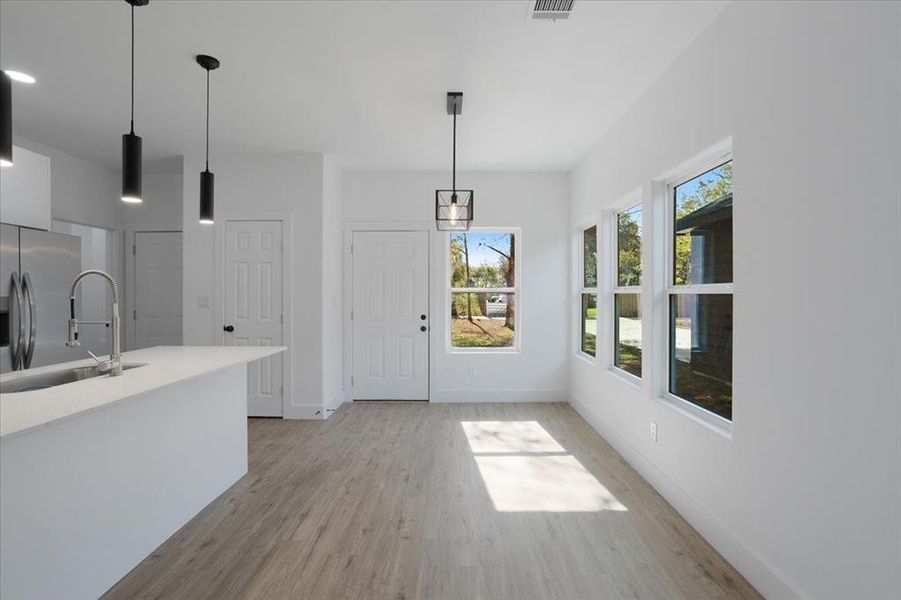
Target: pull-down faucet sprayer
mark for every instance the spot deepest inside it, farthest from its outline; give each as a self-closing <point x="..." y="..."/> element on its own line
<point x="114" y="364"/>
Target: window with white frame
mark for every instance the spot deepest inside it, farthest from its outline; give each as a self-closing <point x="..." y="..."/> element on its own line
<point x="588" y="314"/>
<point x="627" y="292"/>
<point x="483" y="289"/>
<point x="700" y="290"/>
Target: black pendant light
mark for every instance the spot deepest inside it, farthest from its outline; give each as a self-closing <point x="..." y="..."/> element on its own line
<point x="6" y="120"/>
<point x="453" y="207"/>
<point x="131" y="143"/>
<point x="208" y="63"/>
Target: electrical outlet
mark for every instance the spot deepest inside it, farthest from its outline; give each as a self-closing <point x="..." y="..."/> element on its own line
<point x="653" y="431"/>
<point x="472" y="372"/>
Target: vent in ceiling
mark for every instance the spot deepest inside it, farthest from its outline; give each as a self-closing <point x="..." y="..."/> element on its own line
<point x="551" y="9"/>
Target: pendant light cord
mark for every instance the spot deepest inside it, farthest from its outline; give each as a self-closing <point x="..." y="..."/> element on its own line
<point x="132" y="68"/>
<point x="454" y="170"/>
<point x="207" y="119"/>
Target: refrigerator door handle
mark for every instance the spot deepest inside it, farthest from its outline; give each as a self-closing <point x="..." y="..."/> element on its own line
<point x="28" y="289"/>
<point x="15" y="338"/>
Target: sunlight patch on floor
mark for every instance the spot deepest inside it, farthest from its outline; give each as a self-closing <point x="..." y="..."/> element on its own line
<point x="509" y="436"/>
<point x="526" y="470"/>
<point x="543" y="483"/>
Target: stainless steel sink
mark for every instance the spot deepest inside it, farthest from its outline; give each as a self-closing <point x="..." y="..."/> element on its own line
<point x="55" y="378"/>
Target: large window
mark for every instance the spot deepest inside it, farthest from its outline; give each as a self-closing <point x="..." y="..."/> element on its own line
<point x="700" y="291"/>
<point x="483" y="289"/>
<point x="589" y="291"/>
<point x="627" y="292"/>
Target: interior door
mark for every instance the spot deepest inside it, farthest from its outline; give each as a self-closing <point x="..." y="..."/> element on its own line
<point x="253" y="306"/>
<point x="390" y="315"/>
<point x="158" y="285"/>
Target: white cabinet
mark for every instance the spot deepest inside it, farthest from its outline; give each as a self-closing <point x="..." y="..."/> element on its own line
<point x="25" y="190"/>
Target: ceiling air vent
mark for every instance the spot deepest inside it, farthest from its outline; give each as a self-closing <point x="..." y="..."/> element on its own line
<point x="552" y="9"/>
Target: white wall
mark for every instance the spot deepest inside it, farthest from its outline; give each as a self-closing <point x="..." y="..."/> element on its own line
<point x="254" y="187"/>
<point x="81" y="191"/>
<point x="534" y="202"/>
<point x="161" y="209"/>
<point x="804" y="499"/>
<point x="332" y="287"/>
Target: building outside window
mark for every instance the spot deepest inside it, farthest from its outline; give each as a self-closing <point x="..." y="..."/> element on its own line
<point x="700" y="291"/>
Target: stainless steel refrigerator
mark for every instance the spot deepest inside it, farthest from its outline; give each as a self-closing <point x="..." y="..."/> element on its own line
<point x="36" y="272"/>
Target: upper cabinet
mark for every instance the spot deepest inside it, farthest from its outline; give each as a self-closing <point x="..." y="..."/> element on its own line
<point x="25" y="190"/>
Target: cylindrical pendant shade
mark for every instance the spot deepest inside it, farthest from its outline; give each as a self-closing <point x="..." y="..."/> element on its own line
<point x="131" y="168"/>
<point x="6" y="120"/>
<point x="206" y="197"/>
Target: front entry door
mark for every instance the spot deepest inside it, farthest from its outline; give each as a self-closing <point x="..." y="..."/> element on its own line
<point x="253" y="306"/>
<point x="390" y="315"/>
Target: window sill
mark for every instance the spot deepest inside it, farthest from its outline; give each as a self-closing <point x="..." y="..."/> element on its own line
<point x="586" y="358"/>
<point x="708" y="420"/>
<point x="625" y="377"/>
<point x="466" y="351"/>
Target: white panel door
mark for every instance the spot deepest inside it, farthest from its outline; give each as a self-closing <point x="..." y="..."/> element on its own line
<point x="253" y="306"/>
<point x="390" y="315"/>
<point x="158" y="284"/>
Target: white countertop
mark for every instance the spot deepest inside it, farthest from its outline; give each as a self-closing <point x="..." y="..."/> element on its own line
<point x="165" y="365"/>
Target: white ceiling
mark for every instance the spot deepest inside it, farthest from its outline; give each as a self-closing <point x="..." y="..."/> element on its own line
<point x="364" y="80"/>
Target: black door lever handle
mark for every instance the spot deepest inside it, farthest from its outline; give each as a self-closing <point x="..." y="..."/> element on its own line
<point x="228" y="328"/>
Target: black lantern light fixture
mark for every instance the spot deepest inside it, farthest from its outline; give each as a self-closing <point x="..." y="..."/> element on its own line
<point x="453" y="207"/>
<point x="6" y="120"/>
<point x="131" y="143"/>
<point x="208" y="63"/>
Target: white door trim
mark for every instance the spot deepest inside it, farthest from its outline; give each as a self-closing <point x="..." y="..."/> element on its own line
<point x="287" y="220"/>
<point x="434" y="305"/>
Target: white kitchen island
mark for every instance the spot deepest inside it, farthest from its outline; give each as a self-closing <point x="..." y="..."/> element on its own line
<point x="95" y="474"/>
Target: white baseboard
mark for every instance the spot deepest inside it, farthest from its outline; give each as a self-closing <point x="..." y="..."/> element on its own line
<point x="757" y="571"/>
<point x="315" y="412"/>
<point x="484" y="396"/>
<point x="332" y="405"/>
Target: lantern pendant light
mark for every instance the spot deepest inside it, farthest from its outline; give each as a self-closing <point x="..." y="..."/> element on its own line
<point x="453" y="208"/>
<point x="131" y="143"/>
<point x="6" y="120"/>
<point x="208" y="63"/>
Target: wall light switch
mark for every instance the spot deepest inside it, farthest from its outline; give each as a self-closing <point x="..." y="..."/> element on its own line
<point x="653" y="431"/>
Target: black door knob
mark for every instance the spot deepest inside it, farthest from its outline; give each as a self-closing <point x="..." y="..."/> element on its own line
<point x="423" y="317"/>
<point x="228" y="328"/>
<point x="423" y="328"/>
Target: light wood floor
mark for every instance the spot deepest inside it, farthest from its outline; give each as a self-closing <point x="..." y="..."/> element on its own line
<point x="387" y="500"/>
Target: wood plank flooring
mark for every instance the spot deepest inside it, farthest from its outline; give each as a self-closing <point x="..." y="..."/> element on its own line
<point x="388" y="500"/>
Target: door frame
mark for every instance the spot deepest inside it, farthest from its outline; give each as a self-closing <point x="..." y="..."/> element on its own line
<point x="131" y="280"/>
<point x="366" y="227"/>
<point x="287" y="220"/>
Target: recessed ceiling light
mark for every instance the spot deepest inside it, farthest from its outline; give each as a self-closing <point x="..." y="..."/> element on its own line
<point x="20" y="77"/>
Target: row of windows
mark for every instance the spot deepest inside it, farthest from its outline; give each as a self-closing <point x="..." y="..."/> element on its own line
<point x="698" y="290"/>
